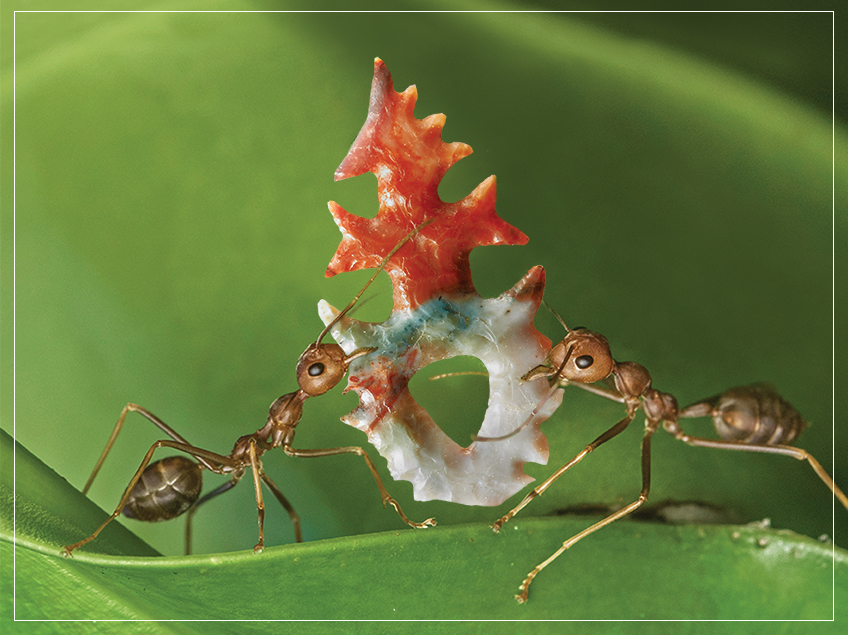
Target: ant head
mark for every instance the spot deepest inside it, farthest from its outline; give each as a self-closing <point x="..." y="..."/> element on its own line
<point x="322" y="366"/>
<point x="583" y="357"/>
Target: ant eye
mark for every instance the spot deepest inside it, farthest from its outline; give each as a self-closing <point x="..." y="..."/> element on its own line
<point x="316" y="369"/>
<point x="584" y="361"/>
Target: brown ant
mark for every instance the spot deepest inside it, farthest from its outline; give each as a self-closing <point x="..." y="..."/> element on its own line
<point x="750" y="418"/>
<point x="172" y="486"/>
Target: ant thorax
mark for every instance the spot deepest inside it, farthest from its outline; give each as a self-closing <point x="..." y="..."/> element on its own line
<point x="437" y="313"/>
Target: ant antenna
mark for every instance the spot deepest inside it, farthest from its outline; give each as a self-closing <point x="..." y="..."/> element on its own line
<point x="557" y="316"/>
<point x="382" y="265"/>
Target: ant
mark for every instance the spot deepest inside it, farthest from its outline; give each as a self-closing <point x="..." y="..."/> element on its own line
<point x="171" y="486"/>
<point x="749" y="418"/>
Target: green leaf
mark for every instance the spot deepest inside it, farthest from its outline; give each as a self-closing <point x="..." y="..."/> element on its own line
<point x="464" y="570"/>
<point x="170" y="237"/>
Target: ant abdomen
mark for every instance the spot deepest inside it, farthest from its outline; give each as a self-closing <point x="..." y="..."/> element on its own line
<point x="166" y="489"/>
<point x="754" y="414"/>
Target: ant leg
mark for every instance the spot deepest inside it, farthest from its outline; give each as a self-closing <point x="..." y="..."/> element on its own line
<point x="278" y="494"/>
<point x="650" y="428"/>
<point x="256" y="468"/>
<point x="226" y="487"/>
<point x="786" y="450"/>
<point x="609" y="393"/>
<point x="383" y="492"/>
<point x="132" y="407"/>
<point x="606" y="436"/>
<point x="199" y="453"/>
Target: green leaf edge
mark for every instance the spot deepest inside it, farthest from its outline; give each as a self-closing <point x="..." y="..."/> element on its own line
<point x="629" y="570"/>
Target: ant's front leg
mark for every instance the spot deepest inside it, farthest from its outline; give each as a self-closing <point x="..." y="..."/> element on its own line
<point x="606" y="436"/>
<point x="387" y="498"/>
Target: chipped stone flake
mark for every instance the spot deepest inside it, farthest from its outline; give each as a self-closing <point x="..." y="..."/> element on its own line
<point x="437" y="313"/>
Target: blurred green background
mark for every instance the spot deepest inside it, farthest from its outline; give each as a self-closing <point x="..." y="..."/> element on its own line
<point x="672" y="171"/>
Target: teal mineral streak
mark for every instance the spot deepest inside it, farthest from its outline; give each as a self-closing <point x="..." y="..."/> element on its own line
<point x="437" y="319"/>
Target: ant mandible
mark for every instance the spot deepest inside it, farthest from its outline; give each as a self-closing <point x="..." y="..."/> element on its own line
<point x="172" y="486"/>
<point x="749" y="418"/>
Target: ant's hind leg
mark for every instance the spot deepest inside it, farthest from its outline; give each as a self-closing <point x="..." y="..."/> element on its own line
<point x="753" y="418"/>
<point x="132" y="407"/>
<point x="785" y="450"/>
<point x="206" y="457"/>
